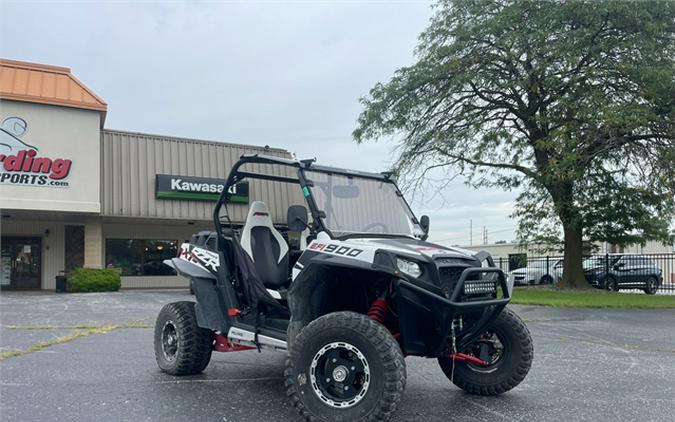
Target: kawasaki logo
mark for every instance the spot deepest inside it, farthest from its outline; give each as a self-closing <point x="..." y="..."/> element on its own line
<point x="197" y="188"/>
<point x="179" y="184"/>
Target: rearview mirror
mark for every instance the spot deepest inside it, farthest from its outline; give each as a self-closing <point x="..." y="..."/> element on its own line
<point x="346" y="191"/>
<point x="297" y="218"/>
<point x="424" y="223"/>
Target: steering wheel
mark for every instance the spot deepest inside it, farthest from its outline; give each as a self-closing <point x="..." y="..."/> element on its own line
<point x="370" y="226"/>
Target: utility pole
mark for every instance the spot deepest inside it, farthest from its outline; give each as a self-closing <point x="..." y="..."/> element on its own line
<point x="484" y="235"/>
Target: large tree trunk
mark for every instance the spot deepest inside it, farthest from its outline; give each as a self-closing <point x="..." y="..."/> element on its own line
<point x="573" y="273"/>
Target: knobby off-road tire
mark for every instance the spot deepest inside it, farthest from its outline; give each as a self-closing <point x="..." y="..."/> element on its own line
<point x="345" y="335"/>
<point x="181" y="347"/>
<point x="508" y="371"/>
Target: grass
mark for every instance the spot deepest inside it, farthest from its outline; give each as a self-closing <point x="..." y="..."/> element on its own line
<point x="592" y="298"/>
<point x="83" y="330"/>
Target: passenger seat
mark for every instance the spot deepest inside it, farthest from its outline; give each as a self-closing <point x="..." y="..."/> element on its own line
<point x="267" y="248"/>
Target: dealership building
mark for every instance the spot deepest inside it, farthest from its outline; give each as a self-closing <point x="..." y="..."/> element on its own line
<point x="74" y="194"/>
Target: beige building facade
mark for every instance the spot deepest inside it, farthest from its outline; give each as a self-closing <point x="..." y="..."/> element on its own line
<point x="74" y="194"/>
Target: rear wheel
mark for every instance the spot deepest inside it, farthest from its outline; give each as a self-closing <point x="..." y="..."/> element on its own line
<point x="651" y="286"/>
<point x="345" y="367"/>
<point x="506" y="346"/>
<point x="181" y="346"/>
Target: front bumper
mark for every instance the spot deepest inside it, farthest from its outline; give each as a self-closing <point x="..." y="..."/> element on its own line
<point x="447" y="309"/>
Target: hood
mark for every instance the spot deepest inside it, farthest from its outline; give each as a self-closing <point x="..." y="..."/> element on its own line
<point x="415" y="246"/>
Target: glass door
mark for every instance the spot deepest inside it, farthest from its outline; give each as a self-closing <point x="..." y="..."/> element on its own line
<point x="20" y="262"/>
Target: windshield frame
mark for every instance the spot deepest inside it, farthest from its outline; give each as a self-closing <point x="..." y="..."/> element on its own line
<point x="236" y="175"/>
<point x="319" y="215"/>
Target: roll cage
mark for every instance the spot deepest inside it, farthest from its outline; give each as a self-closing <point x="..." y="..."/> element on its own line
<point x="237" y="176"/>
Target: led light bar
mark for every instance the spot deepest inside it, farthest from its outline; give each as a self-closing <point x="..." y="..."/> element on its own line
<point x="480" y="287"/>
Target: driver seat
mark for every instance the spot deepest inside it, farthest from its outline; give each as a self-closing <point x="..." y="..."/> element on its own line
<point x="266" y="247"/>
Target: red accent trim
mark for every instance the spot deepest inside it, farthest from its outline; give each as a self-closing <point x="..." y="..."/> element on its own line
<point x="260" y="213"/>
<point x="378" y="310"/>
<point x="233" y="312"/>
<point x="223" y="345"/>
<point x="463" y="357"/>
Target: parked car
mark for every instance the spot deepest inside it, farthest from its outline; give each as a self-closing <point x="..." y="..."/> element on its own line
<point x="615" y="272"/>
<point x="538" y="272"/>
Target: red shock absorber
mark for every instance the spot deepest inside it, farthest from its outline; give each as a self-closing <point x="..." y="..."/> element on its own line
<point x="378" y="310"/>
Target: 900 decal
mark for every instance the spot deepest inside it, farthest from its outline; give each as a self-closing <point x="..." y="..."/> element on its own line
<point x="335" y="249"/>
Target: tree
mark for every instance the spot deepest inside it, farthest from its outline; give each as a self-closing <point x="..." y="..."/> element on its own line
<point x="572" y="102"/>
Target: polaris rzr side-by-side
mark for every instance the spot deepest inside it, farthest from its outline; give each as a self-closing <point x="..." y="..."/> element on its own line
<point x="349" y="289"/>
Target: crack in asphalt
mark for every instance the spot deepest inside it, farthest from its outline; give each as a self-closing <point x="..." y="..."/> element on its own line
<point x="85" y="332"/>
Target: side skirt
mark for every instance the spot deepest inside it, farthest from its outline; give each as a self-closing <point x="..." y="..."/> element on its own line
<point x="243" y="337"/>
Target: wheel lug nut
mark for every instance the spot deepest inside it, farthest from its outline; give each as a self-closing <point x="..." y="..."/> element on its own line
<point x="327" y="379"/>
<point x="334" y="360"/>
<point x="353" y="368"/>
<point x="346" y="388"/>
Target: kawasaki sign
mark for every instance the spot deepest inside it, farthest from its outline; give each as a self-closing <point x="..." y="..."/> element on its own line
<point x="197" y="189"/>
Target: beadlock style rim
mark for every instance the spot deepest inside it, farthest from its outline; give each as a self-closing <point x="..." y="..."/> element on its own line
<point x="169" y="340"/>
<point x="339" y="375"/>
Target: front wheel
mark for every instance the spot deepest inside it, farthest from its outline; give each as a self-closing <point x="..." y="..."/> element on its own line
<point x="181" y="346"/>
<point x="506" y="346"/>
<point x="611" y="284"/>
<point x="345" y="367"/>
<point x="546" y="279"/>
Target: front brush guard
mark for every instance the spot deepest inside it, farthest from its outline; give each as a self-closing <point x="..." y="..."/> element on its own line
<point x="453" y="307"/>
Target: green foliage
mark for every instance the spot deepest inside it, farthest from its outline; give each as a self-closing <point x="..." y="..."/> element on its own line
<point x="83" y="280"/>
<point x="572" y="102"/>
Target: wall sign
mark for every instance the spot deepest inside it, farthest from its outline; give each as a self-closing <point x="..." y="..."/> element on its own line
<point x="20" y="163"/>
<point x="198" y="189"/>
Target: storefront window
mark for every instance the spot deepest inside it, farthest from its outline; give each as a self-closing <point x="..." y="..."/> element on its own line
<point x="140" y="256"/>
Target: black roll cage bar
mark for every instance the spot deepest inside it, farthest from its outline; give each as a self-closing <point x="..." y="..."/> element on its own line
<point x="237" y="176"/>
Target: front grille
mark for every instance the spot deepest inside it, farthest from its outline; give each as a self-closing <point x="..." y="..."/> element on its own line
<point x="449" y="278"/>
<point x="473" y="285"/>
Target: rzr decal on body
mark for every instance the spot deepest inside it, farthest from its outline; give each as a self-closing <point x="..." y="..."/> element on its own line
<point x="199" y="256"/>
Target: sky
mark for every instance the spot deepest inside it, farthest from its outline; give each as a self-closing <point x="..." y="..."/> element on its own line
<point x="284" y="74"/>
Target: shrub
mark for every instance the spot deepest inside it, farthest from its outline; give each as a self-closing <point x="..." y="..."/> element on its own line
<point x="94" y="280"/>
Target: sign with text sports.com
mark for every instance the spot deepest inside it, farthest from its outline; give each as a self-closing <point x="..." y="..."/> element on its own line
<point x="20" y="162"/>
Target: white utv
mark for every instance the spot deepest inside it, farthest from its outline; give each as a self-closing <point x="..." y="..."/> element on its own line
<point x="349" y="296"/>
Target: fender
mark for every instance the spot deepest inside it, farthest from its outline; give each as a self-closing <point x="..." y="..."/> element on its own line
<point x="189" y="269"/>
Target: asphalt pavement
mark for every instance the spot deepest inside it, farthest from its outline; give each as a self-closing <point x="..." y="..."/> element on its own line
<point x="590" y="364"/>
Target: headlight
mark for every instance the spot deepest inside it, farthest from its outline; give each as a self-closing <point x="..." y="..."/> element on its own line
<point x="409" y="267"/>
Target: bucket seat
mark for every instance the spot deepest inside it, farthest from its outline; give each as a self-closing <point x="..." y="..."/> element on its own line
<point x="266" y="247"/>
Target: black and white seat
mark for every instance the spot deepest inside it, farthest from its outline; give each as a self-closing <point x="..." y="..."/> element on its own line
<point x="267" y="248"/>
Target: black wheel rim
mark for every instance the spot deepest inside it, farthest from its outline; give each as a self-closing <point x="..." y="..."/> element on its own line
<point x="169" y="341"/>
<point x="340" y="375"/>
<point x="490" y="349"/>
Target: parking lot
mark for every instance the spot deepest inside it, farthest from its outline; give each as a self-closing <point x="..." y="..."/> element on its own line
<point x="590" y="364"/>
